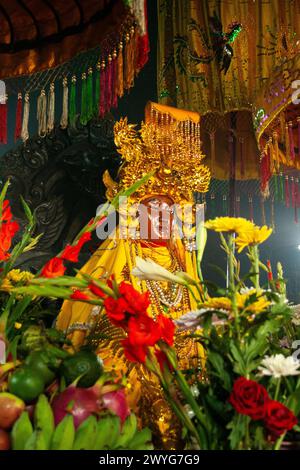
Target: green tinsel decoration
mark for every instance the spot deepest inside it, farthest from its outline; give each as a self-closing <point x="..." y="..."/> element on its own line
<point x="83" y="111"/>
<point x="97" y="90"/>
<point x="281" y="187"/>
<point x="89" y="95"/>
<point x="72" y="104"/>
<point x="276" y="187"/>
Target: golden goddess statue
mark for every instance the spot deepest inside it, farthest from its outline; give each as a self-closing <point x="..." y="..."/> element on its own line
<point x="168" y="145"/>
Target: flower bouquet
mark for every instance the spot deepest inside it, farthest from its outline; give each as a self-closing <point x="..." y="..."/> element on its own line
<point x="246" y="394"/>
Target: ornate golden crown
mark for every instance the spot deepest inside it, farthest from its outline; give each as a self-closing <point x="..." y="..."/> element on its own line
<point x="168" y="143"/>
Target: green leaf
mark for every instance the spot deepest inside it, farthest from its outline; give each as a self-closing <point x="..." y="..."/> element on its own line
<point x="21" y="432"/>
<point x="217" y="362"/>
<point x="44" y="291"/>
<point x="65" y="281"/>
<point x="27" y="211"/>
<point x="238" y="431"/>
<point x="2" y="196"/>
<point x="64" y="434"/>
<point x="128" y="192"/>
<point x="293" y="402"/>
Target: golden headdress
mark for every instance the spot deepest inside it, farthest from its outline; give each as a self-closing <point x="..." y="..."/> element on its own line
<point x="167" y="143"/>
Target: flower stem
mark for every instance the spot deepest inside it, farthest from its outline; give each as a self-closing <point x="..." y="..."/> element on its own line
<point x="277" y="388"/>
<point x="231" y="284"/>
<point x="180" y="379"/>
<point x="279" y="442"/>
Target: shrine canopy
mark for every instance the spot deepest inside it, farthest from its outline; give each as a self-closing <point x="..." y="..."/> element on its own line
<point x="39" y="34"/>
<point x="89" y="52"/>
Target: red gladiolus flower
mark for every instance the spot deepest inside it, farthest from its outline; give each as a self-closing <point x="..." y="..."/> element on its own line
<point x="133" y="352"/>
<point x="53" y="268"/>
<point x="167" y="329"/>
<point x="71" y="253"/>
<point x="7" y="232"/>
<point x="163" y="360"/>
<point x="6" y="211"/>
<point x="96" y="290"/>
<point x="138" y="303"/>
<point x="78" y="295"/>
<point x="142" y="330"/>
<point x="249" y="398"/>
<point x="117" y="311"/>
<point x="279" y="418"/>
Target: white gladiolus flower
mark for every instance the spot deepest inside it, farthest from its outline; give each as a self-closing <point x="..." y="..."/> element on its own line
<point x="146" y="269"/>
<point x="190" y="320"/>
<point x="278" y="366"/>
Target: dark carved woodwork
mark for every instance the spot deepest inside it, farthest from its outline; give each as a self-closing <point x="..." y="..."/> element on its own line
<point x="60" y="177"/>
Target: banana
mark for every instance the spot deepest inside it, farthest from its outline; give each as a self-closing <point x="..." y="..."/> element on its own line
<point x="128" y="431"/>
<point x="86" y="434"/>
<point x="36" y="441"/>
<point x="64" y="434"/>
<point x="43" y="419"/>
<point x="21" y="431"/>
<point x="108" y="431"/>
<point x="142" y="440"/>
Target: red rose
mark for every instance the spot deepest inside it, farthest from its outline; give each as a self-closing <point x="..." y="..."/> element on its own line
<point x="279" y="418"/>
<point x="71" y="253"/>
<point x="53" y="268"/>
<point x="133" y="352"/>
<point x="167" y="329"/>
<point x="163" y="360"/>
<point x="143" y="330"/>
<point x="117" y="311"/>
<point x="96" y="290"/>
<point x="78" y="295"/>
<point x="138" y="303"/>
<point x="249" y="398"/>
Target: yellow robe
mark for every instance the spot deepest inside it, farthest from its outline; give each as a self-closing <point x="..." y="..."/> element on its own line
<point x="144" y="393"/>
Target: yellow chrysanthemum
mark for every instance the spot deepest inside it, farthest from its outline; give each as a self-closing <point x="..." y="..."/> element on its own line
<point x="15" y="276"/>
<point x="224" y="303"/>
<point x="229" y="224"/>
<point x="218" y="303"/>
<point x="252" y="236"/>
<point x="255" y="307"/>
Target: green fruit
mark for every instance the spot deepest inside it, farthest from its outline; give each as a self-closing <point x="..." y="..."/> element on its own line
<point x="26" y="383"/>
<point x="44" y="419"/>
<point x="21" y="432"/>
<point x="64" y="434"/>
<point x="86" y="434"/>
<point x="37" y="361"/>
<point x="83" y="363"/>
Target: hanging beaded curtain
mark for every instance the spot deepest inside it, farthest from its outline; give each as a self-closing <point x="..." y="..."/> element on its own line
<point x="90" y="60"/>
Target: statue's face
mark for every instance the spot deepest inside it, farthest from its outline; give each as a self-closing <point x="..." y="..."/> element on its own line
<point x="156" y="218"/>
